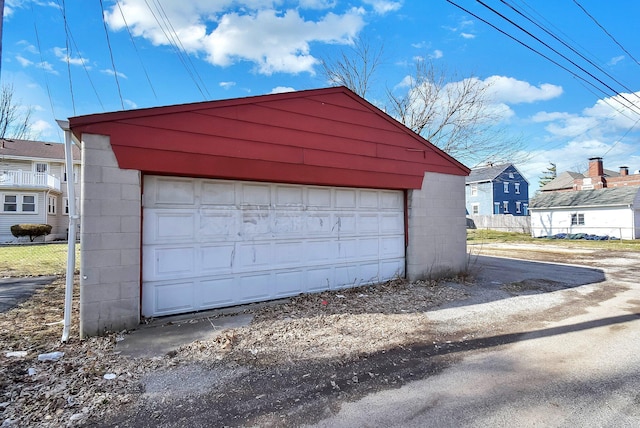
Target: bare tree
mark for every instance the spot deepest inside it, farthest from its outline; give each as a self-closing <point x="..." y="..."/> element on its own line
<point x="15" y="119"/>
<point x="354" y="68"/>
<point x="456" y="114"/>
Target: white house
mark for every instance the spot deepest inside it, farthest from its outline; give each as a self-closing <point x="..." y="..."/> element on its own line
<point x="613" y="212"/>
<point x="33" y="186"/>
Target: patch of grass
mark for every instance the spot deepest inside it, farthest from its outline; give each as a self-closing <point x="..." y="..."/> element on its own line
<point x="485" y="236"/>
<point x="33" y="260"/>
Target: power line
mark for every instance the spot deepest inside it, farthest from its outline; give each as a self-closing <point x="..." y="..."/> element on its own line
<point x="66" y="32"/>
<point x="614" y="91"/>
<point x="605" y="31"/>
<point x="113" y="64"/>
<point x="136" y="49"/>
<point x="568" y="46"/>
<point x="177" y="50"/>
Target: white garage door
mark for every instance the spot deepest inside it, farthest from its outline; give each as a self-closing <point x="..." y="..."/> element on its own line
<point x="216" y="243"/>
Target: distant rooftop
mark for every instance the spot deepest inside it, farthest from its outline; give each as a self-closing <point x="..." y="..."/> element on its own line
<point x="34" y="149"/>
<point x="611" y="196"/>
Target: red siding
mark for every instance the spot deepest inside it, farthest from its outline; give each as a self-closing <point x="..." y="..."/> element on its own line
<point x="325" y="136"/>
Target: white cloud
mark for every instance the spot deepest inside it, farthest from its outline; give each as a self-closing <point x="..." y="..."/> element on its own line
<point x="23" y="61"/>
<point x="130" y="104"/>
<point x="227" y="85"/>
<point x="61" y="53"/>
<point x="113" y="73"/>
<point x="282" y="89"/>
<point x="436" y="54"/>
<point x="616" y="59"/>
<point x="28" y="47"/>
<point x="467" y="36"/>
<point x="47" y="66"/>
<point x="274" y="40"/>
<point x="40" y="127"/>
<point x="382" y="7"/>
<point x="544" y="116"/>
<point x="317" y="4"/>
<point x="513" y="91"/>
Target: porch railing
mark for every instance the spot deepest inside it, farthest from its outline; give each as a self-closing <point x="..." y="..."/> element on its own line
<point x="29" y="179"/>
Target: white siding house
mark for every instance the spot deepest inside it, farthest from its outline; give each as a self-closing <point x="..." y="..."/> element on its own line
<point x="613" y="212"/>
<point x="33" y="186"/>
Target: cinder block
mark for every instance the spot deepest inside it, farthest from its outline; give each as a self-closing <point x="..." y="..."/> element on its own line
<point x="130" y="290"/>
<point x="102" y="292"/>
<point x="131" y="224"/>
<point x="130" y="257"/>
<point x="119" y="274"/>
<point x="102" y="258"/>
<point x="111" y="241"/>
<point x="131" y="192"/>
<point x="122" y="208"/>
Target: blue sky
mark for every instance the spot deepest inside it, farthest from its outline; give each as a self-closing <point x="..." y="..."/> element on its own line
<point x="229" y="49"/>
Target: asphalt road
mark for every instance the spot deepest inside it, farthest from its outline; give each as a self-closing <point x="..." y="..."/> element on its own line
<point x="578" y="365"/>
<point x="13" y="291"/>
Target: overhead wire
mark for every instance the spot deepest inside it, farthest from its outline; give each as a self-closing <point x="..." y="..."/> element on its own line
<point x="66" y="31"/>
<point x="113" y="64"/>
<point x="176" y="50"/>
<point x="46" y="79"/>
<point x="136" y="49"/>
<point x="605" y="31"/>
<point x="591" y="75"/>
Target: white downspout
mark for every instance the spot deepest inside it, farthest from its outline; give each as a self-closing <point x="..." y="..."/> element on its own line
<point x="71" y="238"/>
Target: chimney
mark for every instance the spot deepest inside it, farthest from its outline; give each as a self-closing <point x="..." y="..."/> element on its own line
<point x="595" y="167"/>
<point x="624" y="171"/>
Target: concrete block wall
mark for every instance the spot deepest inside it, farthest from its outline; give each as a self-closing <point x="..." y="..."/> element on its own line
<point x="109" y="241"/>
<point x="437" y="227"/>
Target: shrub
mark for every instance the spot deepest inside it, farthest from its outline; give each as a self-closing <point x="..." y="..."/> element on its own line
<point x="30" y="230"/>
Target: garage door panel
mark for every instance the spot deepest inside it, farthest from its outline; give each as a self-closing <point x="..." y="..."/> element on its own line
<point x="345" y="198"/>
<point x="344" y="224"/>
<point x="241" y="242"/>
<point x="217" y="224"/>
<point x="391" y="246"/>
<point x="217" y="258"/>
<point x="168" y="262"/>
<point x="287" y="253"/>
<point x="217" y="292"/>
<point x="319" y="279"/>
<point x="218" y="192"/>
<point x="256" y="195"/>
<point x="319" y="198"/>
<point x="289" y="223"/>
<point x="169" y="226"/>
<point x="255" y="287"/>
<point x="255" y="224"/>
<point x="171" y="298"/>
<point x="319" y="224"/>
<point x="289" y="196"/>
<point x="289" y="283"/>
<point x="391" y="224"/>
<point x="174" y="191"/>
<point x="252" y="255"/>
<point x="391" y="269"/>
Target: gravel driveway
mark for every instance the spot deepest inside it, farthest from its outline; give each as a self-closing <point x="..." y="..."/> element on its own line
<point x="526" y="344"/>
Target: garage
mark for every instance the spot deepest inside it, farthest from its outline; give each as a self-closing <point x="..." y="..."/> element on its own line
<point x="217" y="243"/>
<point x="220" y="203"/>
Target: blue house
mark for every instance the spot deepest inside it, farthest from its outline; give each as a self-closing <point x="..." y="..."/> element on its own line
<point x="497" y="189"/>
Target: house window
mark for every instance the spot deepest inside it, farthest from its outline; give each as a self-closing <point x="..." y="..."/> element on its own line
<point x="41" y="167"/>
<point x="511" y="175"/>
<point x="505" y="204"/>
<point x="525" y="209"/>
<point x="506" y="187"/>
<point x="10" y="203"/>
<point x="475" y="209"/>
<point x="75" y="173"/>
<point x="19" y="203"/>
<point x="66" y="206"/>
<point x="517" y="186"/>
<point x="474" y="190"/>
<point x="496" y="207"/>
<point x="51" y="205"/>
<point x="518" y="206"/>
<point x="577" y="219"/>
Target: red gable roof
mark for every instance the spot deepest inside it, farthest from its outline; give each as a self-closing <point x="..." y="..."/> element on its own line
<point x="325" y="136"/>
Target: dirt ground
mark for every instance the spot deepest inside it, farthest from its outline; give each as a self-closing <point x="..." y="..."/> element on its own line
<point x="294" y="363"/>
